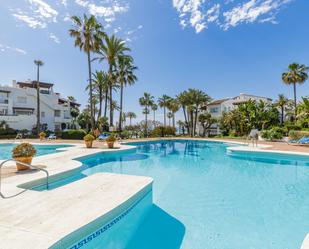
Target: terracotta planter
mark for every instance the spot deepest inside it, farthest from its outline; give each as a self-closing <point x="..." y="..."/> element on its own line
<point x="110" y="145"/>
<point x="88" y="144"/>
<point x="42" y="138"/>
<point x="27" y="160"/>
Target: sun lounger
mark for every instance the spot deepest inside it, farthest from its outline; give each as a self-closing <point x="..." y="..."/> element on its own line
<point x="51" y="137"/>
<point x="103" y="136"/>
<point x="304" y="140"/>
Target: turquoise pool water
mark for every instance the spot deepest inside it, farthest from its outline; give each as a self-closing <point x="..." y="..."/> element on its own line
<point x="205" y="198"/>
<point x="6" y="150"/>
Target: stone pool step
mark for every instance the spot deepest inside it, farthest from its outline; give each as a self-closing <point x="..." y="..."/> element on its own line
<point x="40" y="219"/>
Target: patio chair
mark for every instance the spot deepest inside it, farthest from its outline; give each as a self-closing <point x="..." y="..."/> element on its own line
<point x="103" y="136"/>
<point x="52" y="137"/>
<point x="304" y="140"/>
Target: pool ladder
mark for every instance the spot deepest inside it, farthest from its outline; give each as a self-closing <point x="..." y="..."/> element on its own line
<point x="24" y="164"/>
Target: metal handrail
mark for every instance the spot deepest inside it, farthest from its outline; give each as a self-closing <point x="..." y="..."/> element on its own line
<point x="24" y="164"/>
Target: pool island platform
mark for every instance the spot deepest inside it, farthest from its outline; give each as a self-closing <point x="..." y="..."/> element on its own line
<point x="42" y="218"/>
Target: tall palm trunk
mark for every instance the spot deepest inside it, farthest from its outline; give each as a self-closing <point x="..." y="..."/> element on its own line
<point x="38" y="115"/>
<point x="282" y="114"/>
<point x="186" y="119"/>
<point x="195" y="121"/>
<point x="174" y="120"/>
<point x="130" y="121"/>
<point x="192" y="117"/>
<point x="90" y="90"/>
<point x="146" y="121"/>
<point x="121" y="99"/>
<point x="110" y="96"/>
<point x="164" y="112"/>
<point x="154" y="117"/>
<point x="295" y="100"/>
<point x="105" y="103"/>
<point x="100" y="103"/>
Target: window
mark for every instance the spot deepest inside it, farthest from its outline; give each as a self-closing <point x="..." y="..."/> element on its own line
<point x="22" y="100"/>
<point x="23" y="112"/>
<point x="3" y="111"/>
<point x="42" y="114"/>
<point x="213" y="109"/>
<point x="57" y="113"/>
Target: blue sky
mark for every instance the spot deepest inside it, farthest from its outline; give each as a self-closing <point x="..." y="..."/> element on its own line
<point x="223" y="47"/>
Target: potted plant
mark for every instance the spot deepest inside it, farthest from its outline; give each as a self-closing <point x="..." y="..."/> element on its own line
<point x="88" y="140"/>
<point x="42" y="135"/>
<point x="24" y="153"/>
<point x="110" y="141"/>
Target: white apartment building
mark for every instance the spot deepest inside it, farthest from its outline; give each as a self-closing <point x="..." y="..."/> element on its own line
<point x="18" y="106"/>
<point x="217" y="107"/>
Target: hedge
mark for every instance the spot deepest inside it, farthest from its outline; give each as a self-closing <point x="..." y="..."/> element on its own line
<point x="73" y="134"/>
<point x="162" y="131"/>
<point x="295" y="135"/>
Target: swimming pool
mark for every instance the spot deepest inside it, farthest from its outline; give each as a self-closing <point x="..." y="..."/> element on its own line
<point x="6" y="149"/>
<point x="205" y="198"/>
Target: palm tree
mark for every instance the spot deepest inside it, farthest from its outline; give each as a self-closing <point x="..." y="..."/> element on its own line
<point x="110" y="51"/>
<point x="100" y="85"/>
<point x="163" y="103"/>
<point x="281" y="103"/>
<point x="169" y="116"/>
<point x="154" y="108"/>
<point x="39" y="64"/>
<point x="146" y="101"/>
<point x="198" y="98"/>
<point x="126" y="77"/>
<point x="130" y="115"/>
<point x="184" y="101"/>
<point x="303" y="110"/>
<point x="173" y="106"/>
<point x="296" y="74"/>
<point x="88" y="36"/>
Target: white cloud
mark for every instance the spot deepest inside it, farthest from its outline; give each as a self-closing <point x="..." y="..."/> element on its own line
<point x="44" y="10"/>
<point x="37" y="14"/>
<point x="226" y="13"/>
<point x="107" y="11"/>
<point x="250" y="11"/>
<point x="54" y="38"/>
<point x="4" y="48"/>
<point x="30" y="21"/>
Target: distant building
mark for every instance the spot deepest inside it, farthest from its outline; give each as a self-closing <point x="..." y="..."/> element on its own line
<point x="217" y="107"/>
<point x="18" y="104"/>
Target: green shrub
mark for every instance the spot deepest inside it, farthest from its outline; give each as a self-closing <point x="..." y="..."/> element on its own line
<point x="232" y="133"/>
<point x="292" y="127"/>
<point x="275" y="133"/>
<point x="162" y="131"/>
<point x="23" y="150"/>
<point x="295" y="135"/>
<point x="125" y="134"/>
<point x="73" y="134"/>
<point x="7" y="131"/>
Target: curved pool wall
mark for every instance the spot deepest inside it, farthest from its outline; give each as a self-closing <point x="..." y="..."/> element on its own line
<point x="113" y="230"/>
<point x="6" y="149"/>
